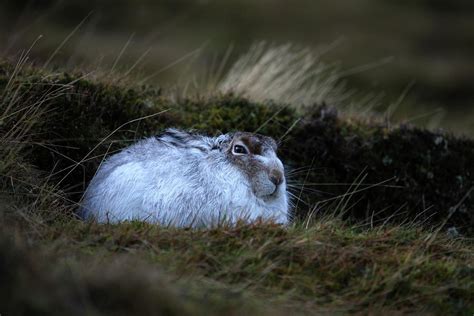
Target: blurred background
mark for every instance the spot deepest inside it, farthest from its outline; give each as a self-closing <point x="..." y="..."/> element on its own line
<point x="419" y="51"/>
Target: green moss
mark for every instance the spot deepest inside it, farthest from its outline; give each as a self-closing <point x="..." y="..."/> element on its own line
<point x="426" y="174"/>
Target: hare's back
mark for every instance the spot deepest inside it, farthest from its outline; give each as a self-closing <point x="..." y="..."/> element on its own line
<point x="150" y="161"/>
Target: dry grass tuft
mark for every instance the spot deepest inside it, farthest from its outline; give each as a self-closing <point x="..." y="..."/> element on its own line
<point x="291" y="75"/>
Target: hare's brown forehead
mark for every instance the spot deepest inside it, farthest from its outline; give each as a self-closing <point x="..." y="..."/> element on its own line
<point x="255" y="143"/>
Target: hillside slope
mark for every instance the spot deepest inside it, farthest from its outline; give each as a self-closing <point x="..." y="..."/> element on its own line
<point x="375" y="170"/>
<point x="386" y="206"/>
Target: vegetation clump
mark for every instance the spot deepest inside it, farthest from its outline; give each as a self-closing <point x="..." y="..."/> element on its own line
<point x="373" y="170"/>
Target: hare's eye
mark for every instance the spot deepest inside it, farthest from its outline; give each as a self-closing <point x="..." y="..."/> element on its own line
<point x="239" y="149"/>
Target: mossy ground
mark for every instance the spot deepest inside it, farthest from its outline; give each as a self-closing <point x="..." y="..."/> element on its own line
<point x="330" y="267"/>
<point x="370" y="232"/>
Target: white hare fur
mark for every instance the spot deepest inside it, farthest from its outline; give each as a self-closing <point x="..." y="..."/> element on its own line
<point x="189" y="180"/>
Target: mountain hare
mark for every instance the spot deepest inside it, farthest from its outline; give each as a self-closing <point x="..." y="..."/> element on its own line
<point x="184" y="179"/>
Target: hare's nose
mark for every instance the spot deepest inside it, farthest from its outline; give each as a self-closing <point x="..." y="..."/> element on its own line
<point x="276" y="176"/>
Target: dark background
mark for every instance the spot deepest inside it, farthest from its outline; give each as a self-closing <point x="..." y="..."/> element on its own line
<point x="427" y="46"/>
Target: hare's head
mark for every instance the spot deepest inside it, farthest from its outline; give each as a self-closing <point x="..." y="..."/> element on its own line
<point x="256" y="156"/>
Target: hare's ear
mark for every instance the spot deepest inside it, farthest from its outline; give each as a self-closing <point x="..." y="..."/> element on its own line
<point x="222" y="141"/>
<point x="269" y="141"/>
<point x="274" y="144"/>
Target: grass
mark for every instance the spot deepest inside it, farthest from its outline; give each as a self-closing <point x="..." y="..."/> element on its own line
<point x="263" y="268"/>
<point x="53" y="263"/>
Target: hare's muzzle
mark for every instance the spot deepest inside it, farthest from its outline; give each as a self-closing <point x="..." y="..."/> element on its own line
<point x="276" y="176"/>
